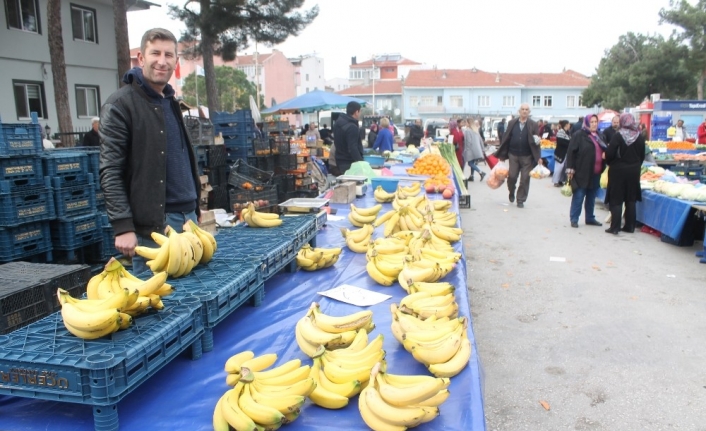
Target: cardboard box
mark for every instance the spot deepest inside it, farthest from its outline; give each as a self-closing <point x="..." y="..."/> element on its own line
<point x="344" y="193"/>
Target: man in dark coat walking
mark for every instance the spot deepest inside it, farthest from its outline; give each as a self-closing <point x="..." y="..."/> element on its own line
<point x="415" y="133"/>
<point x="520" y="146"/>
<point x="346" y="138"/>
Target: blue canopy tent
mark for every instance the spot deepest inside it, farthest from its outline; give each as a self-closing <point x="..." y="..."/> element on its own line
<point x="313" y="101"/>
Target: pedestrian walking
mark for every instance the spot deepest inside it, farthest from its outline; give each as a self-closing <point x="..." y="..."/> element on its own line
<point x="520" y="147"/>
<point x="457" y="139"/>
<point x="624" y="156"/>
<point x="473" y="148"/>
<point x="584" y="165"/>
<point x="562" y="146"/>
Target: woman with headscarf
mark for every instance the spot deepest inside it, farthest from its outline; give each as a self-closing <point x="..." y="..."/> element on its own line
<point x="457" y="140"/>
<point x="584" y="165"/>
<point x="562" y="145"/>
<point x="624" y="155"/>
<point x="473" y="148"/>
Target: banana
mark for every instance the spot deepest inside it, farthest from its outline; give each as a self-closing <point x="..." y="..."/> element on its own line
<point x="371" y="419"/>
<point x="358" y="235"/>
<point x="404" y="381"/>
<point x="410" y="275"/>
<point x="434" y="301"/>
<point x="441" y="205"/>
<point x="397" y="330"/>
<point x="259" y="221"/>
<point x="125" y="321"/>
<point x="382" y="196"/>
<point x="94" y="334"/>
<point x="339" y="374"/>
<point x="104" y="289"/>
<point x="115" y="301"/>
<point x="289" y="378"/>
<point x="457" y="363"/>
<point x="445" y="233"/>
<point x="260" y="413"/>
<point x="145" y="287"/>
<point x="219" y="421"/>
<point x="232" y="412"/>
<point x="435" y="289"/>
<point x="277" y="371"/>
<point x="357" y="362"/>
<point x="321" y="395"/>
<point x="195" y="244"/>
<point x="359" y="342"/>
<point x="340" y="324"/>
<point x="165" y="290"/>
<point x="187" y="256"/>
<point x="392" y="414"/>
<point x="450" y="311"/>
<point x="284" y="404"/>
<point x="357" y="247"/>
<point x="159" y="238"/>
<point x="147" y="252"/>
<point x="174" y="262"/>
<point x="366" y="212"/>
<point x="306" y="347"/>
<point x="139" y="307"/>
<point x="358" y="220"/>
<point x="88" y="321"/>
<point x="432" y="336"/>
<point x="259" y="363"/>
<point x="304" y="262"/>
<point x="387" y="268"/>
<point x="435" y="354"/>
<point x="391" y="223"/>
<point x="436" y="400"/>
<point x="316" y="336"/>
<point x="378" y="276"/>
<point x="92" y="286"/>
<point x="207" y="241"/>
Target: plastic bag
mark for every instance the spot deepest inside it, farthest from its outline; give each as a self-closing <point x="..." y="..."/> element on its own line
<point x="500" y="170"/>
<point x="361" y="168"/>
<point x="540" y="172"/>
<point x="604" y="178"/>
<point x="494" y="181"/>
<point x="566" y="190"/>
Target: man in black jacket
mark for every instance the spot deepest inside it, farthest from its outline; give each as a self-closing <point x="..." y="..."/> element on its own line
<point x="415" y="133"/>
<point x="576" y="126"/>
<point x="148" y="169"/>
<point x="520" y="147"/>
<point x="92" y="138"/>
<point x="346" y="138"/>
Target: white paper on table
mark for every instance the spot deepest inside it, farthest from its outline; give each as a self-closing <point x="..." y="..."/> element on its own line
<point x="334" y="217"/>
<point x="544" y="135"/>
<point x="355" y="295"/>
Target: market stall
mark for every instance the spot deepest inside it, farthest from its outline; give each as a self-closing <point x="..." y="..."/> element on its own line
<point x="183" y="393"/>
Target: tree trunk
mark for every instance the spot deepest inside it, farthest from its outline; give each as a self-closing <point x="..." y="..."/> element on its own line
<point x="214" y="102"/>
<point x="58" y="69"/>
<point x="122" y="43"/>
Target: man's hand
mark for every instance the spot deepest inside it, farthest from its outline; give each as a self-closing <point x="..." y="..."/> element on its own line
<point x="126" y="243"/>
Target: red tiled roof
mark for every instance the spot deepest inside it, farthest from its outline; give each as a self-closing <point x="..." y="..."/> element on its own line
<point x="479" y="78"/>
<point x="381" y="87"/>
<point x="401" y="62"/>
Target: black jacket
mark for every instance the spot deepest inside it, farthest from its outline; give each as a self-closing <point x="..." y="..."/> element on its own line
<point x="504" y="149"/>
<point x="608" y="134"/>
<point x="133" y="162"/>
<point x="562" y="145"/>
<point x="92" y="139"/>
<point x="346" y="138"/>
<point x="415" y="135"/>
<point x="581" y="157"/>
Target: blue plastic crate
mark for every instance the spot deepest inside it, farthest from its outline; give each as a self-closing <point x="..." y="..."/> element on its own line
<point x="217" y="156"/>
<point x="19" y="172"/>
<point x="74" y="200"/>
<point x="100" y="200"/>
<point x="67" y="164"/>
<point x="236" y="130"/>
<point x="25" y="240"/>
<point x="75" y="232"/>
<point x="228" y="117"/>
<point x="222" y="287"/>
<point x="45" y="361"/>
<point x="21" y="139"/>
<point x="201" y="153"/>
<point x="26" y="205"/>
<point x="239" y="149"/>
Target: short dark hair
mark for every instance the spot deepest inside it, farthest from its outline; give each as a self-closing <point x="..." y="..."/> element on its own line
<point x="580" y="118"/>
<point x="157" y="34"/>
<point x="563" y="123"/>
<point x="352" y="107"/>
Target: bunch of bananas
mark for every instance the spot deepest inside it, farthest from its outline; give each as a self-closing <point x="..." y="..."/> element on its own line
<point x="333" y="332"/>
<point x="382" y="196"/>
<point x="259" y="219"/>
<point x="262" y="399"/>
<point x="114" y="297"/>
<point x="429" y="328"/>
<point x="386" y="258"/>
<point x="179" y="253"/>
<point x="358" y="240"/>
<point x="341" y="374"/>
<point x="311" y="259"/>
<point x="400" y="219"/>
<point x="397" y="402"/>
<point x="409" y="191"/>
<point x="359" y="217"/>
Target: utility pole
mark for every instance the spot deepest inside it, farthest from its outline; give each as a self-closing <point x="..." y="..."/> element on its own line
<point x="257" y="75"/>
<point x="373" y="78"/>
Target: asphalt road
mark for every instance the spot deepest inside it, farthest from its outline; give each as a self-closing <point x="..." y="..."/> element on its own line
<point x="608" y="331"/>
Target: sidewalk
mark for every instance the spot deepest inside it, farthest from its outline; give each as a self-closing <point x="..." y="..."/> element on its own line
<point x="612" y="338"/>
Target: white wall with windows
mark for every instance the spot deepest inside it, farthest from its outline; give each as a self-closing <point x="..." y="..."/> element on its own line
<point x="311" y="75"/>
<point x="26" y="83"/>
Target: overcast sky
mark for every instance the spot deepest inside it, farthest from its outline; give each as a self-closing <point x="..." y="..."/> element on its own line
<point x="509" y="36"/>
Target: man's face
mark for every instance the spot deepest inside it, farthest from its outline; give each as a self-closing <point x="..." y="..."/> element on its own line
<point x="524" y="112"/>
<point x="615" y="122"/>
<point x="680" y="123"/>
<point x="158" y="62"/>
<point x="418" y="122"/>
<point x="356" y="114"/>
<point x="95" y="126"/>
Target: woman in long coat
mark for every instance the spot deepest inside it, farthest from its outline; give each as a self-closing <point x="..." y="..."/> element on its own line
<point x="624" y="155"/>
<point x="473" y="148"/>
<point x="584" y="165"/>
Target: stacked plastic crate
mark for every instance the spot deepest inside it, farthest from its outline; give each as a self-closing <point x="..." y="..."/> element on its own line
<point x="249" y="184"/>
<point x="78" y="223"/>
<point x="26" y="202"/>
<point x="661" y="121"/>
<point x="216" y="167"/>
<point x="238" y="131"/>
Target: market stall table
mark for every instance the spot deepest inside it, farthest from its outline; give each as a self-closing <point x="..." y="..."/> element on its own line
<point x="182" y="395"/>
<point x="668" y="215"/>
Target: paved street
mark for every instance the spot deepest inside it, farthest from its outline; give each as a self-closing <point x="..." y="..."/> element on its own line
<point x="614" y="338"/>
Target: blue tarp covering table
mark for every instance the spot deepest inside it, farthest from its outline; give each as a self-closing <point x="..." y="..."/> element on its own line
<point x="181" y="396"/>
<point x="663" y="213"/>
<point x="548" y="153"/>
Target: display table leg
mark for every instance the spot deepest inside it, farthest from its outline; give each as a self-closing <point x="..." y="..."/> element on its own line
<point x="105" y="418"/>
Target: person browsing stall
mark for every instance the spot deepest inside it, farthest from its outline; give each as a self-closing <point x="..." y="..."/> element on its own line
<point x="92" y="138"/>
<point x="384" y="140"/>
<point x="148" y="169"/>
<point x="520" y="147"/>
<point x="346" y="138"/>
<point x="415" y="133"/>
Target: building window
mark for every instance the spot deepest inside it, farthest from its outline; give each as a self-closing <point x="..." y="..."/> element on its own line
<point x="508" y="101"/>
<point x="581" y="102"/>
<point x="87" y="101"/>
<point x="83" y="23"/>
<point x="456" y="101"/>
<point x="483" y="101"/>
<point x="413" y="100"/>
<point x="536" y="100"/>
<point x="427" y="101"/>
<point x="547" y="101"/>
<point x="439" y="100"/>
<point x="23" y="15"/>
<point x="570" y="101"/>
<point x="29" y="97"/>
<point x="383" y="104"/>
